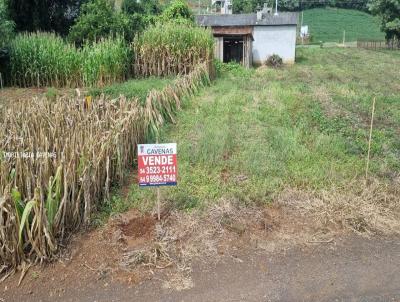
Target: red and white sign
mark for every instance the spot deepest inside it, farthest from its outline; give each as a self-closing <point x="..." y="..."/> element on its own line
<point x="157" y="165"/>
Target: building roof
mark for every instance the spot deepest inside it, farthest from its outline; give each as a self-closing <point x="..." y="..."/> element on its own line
<point x="284" y="18"/>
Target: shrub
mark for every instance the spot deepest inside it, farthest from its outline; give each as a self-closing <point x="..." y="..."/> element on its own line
<point x="274" y="61"/>
<point x="6" y="25"/>
<point x="98" y="19"/>
<point x="148" y="7"/>
<point x="6" y="34"/>
<point x="178" y="11"/>
<point x="232" y="68"/>
<point x="171" y="48"/>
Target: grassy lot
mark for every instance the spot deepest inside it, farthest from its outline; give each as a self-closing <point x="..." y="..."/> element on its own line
<point x="327" y="25"/>
<point x="254" y="133"/>
<point x="132" y="88"/>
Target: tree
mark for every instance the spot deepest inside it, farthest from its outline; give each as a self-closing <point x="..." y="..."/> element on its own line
<point x="45" y="15"/>
<point x="6" y="25"/>
<point x="146" y="7"/>
<point x="250" y="6"/>
<point x="99" y="19"/>
<point x="142" y="13"/>
<point x="389" y="11"/>
<point x="244" y="6"/>
<point x="6" y="34"/>
<point x="177" y="11"/>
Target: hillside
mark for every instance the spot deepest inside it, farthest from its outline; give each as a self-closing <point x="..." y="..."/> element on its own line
<point x="327" y="24"/>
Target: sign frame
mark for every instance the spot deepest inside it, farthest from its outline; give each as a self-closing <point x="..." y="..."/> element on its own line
<point x="157" y="165"/>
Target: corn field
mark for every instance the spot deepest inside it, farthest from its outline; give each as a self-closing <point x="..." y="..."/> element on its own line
<point x="171" y="49"/>
<point x="59" y="159"/>
<point x="44" y="59"/>
<point x="105" y="62"/>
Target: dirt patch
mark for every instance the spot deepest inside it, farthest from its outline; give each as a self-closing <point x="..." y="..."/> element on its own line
<point x="92" y="257"/>
<point x="134" y="247"/>
<point x="225" y="175"/>
<point x="138" y="227"/>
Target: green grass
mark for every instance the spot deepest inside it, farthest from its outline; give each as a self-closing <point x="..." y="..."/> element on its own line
<point x="254" y="133"/>
<point x="327" y="25"/>
<point x="133" y="88"/>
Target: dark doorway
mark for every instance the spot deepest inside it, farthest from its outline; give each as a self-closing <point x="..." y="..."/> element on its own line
<point x="233" y="49"/>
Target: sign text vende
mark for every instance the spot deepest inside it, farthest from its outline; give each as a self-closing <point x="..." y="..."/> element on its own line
<point x="157" y="164"/>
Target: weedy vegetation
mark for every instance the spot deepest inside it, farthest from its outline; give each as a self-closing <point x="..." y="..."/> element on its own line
<point x="133" y="88"/>
<point x="254" y="136"/>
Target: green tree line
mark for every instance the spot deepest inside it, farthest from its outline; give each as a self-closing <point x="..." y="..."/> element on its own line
<point x="81" y="20"/>
<point x="90" y="19"/>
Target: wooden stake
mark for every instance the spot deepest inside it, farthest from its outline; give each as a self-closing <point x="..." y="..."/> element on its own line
<point x="158" y="193"/>
<point x="302" y="36"/>
<point x="158" y="203"/>
<point x="344" y="37"/>
<point x="370" y="139"/>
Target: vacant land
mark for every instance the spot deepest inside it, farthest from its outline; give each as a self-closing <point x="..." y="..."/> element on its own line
<point x="268" y="159"/>
<point x="256" y="133"/>
<point x="328" y="24"/>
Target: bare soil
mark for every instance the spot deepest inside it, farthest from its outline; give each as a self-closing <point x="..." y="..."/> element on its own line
<point x="225" y="254"/>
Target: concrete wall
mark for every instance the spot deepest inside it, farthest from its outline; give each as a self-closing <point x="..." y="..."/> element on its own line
<point x="268" y="40"/>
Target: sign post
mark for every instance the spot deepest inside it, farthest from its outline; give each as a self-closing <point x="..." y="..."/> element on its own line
<point x="157" y="166"/>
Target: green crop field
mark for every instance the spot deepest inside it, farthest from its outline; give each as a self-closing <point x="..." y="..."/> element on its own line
<point x="328" y="24"/>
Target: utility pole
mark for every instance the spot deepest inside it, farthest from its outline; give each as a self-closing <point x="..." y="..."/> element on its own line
<point x="276" y="8"/>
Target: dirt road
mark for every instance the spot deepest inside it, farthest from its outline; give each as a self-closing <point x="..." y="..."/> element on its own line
<point x="350" y="269"/>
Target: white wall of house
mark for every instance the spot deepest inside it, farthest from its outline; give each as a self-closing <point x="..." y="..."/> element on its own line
<point x="269" y="40"/>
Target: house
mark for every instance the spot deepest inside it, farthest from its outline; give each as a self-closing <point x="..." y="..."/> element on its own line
<point x="251" y="38"/>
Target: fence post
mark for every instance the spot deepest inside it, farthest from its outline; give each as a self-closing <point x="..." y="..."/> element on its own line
<point x="344" y="37"/>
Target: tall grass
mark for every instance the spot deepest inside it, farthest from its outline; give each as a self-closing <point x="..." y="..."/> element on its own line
<point x="105" y="62"/>
<point x="169" y="49"/>
<point x="43" y="198"/>
<point x="44" y="59"/>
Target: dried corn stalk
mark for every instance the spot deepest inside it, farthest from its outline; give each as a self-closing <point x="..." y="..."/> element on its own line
<point x="59" y="159"/>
